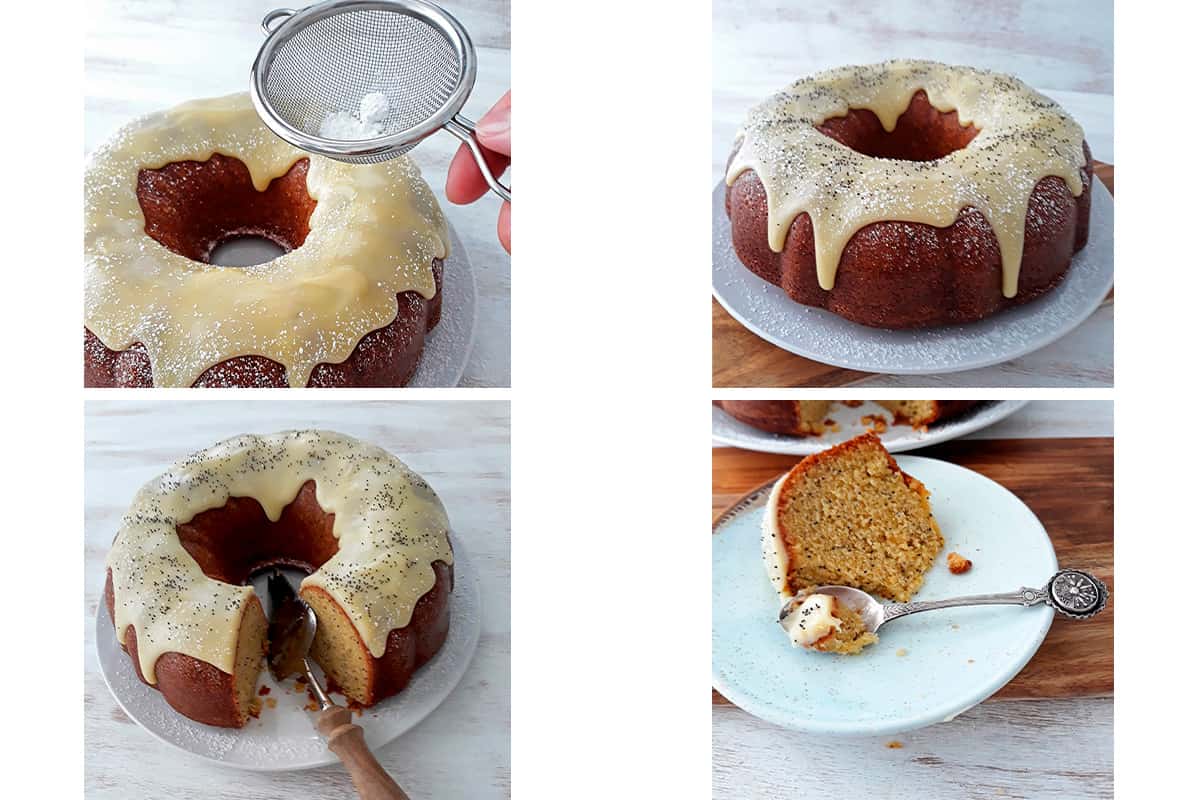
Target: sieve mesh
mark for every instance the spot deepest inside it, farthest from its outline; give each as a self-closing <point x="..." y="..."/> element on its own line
<point x="331" y="62"/>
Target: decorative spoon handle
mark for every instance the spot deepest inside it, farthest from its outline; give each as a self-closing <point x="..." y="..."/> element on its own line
<point x="346" y="741"/>
<point x="1071" y="592"/>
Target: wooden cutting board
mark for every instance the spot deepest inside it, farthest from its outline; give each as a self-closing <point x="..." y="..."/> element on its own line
<point x="740" y="358"/>
<point x="1069" y="485"/>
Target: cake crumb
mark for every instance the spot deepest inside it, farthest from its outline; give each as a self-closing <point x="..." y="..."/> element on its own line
<point x="255" y="707"/>
<point x="272" y="702"/>
<point x="894" y="745"/>
<point x="901" y="652"/>
<point x="874" y="422"/>
<point x="264" y="690"/>
<point x="958" y="564"/>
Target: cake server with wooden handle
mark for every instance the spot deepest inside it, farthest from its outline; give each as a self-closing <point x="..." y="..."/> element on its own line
<point x="293" y="627"/>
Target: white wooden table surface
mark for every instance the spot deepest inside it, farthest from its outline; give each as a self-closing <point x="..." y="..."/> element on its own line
<point x="1006" y="748"/>
<point x="462" y="749"/>
<point x="144" y="55"/>
<point x="1063" y="48"/>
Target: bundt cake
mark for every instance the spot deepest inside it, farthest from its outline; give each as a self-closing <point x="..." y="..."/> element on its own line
<point x="848" y="516"/>
<point x="909" y="193"/>
<point x="372" y="533"/>
<point x="810" y="417"/>
<point x="791" y="417"/>
<point x="821" y="622"/>
<point x="349" y="303"/>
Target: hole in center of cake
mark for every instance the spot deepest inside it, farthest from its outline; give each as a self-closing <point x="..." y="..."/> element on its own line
<point x="199" y="209"/>
<point x="922" y="132"/>
<point x="245" y="251"/>
<point x="237" y="540"/>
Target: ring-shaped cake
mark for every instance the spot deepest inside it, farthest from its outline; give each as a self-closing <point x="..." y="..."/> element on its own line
<point x="348" y="303"/>
<point x="373" y="534"/>
<point x="909" y="193"/>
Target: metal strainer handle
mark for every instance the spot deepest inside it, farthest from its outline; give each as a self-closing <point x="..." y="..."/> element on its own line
<point x="272" y="16"/>
<point x="464" y="129"/>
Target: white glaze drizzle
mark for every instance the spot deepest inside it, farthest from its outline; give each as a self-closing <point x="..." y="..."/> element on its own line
<point x="774" y="549"/>
<point x="812" y="620"/>
<point x="374" y="233"/>
<point x="1023" y="137"/>
<point x="389" y="523"/>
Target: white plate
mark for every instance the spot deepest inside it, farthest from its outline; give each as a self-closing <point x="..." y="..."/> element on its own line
<point x="448" y="346"/>
<point x="897" y="438"/>
<point x="766" y="311"/>
<point x="954" y="659"/>
<point x="283" y="738"/>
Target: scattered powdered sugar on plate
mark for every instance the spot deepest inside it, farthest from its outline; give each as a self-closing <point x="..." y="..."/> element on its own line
<point x="448" y="346"/>
<point x="283" y="737"/>
<point x="770" y="314"/>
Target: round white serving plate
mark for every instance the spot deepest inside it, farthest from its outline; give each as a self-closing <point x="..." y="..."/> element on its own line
<point x="815" y="333"/>
<point x="283" y="738"/>
<point x="955" y="658"/>
<point x="897" y="438"/>
<point x="448" y="346"/>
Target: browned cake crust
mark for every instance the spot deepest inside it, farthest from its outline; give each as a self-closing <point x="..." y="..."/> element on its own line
<point x="234" y="541"/>
<point x="191" y="207"/>
<point x="192" y="687"/>
<point x="904" y="274"/>
<point x="773" y="416"/>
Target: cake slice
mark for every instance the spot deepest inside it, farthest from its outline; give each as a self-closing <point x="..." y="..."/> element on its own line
<point x="850" y="516"/>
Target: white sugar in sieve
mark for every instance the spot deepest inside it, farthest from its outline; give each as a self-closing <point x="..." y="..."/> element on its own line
<point x="409" y="59"/>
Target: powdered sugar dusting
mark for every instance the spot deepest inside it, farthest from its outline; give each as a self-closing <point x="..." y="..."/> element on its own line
<point x="374" y="234"/>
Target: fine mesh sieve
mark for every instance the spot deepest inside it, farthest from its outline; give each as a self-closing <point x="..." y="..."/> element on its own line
<point x="323" y="60"/>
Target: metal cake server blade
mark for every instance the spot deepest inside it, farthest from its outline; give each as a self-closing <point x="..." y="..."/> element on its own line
<point x="292" y="628"/>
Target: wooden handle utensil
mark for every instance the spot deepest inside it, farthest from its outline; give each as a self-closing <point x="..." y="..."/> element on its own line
<point x="346" y="741"/>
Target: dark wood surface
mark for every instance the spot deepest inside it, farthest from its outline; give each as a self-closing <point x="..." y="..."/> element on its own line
<point x="740" y="358"/>
<point x="1068" y="483"/>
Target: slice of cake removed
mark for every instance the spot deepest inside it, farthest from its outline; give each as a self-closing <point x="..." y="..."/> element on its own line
<point x="822" y="623"/>
<point x="923" y="413"/>
<point x="849" y="516"/>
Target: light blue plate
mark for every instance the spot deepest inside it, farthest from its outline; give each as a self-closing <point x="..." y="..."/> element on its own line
<point x="955" y="658"/>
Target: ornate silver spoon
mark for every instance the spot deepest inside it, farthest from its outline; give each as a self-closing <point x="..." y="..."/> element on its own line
<point x="1071" y="592"/>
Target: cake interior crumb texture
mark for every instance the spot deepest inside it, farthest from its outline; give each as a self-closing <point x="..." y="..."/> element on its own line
<point x="850" y="516"/>
<point x="851" y="637"/>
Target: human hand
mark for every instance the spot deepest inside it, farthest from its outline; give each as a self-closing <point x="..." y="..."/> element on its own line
<point x="465" y="183"/>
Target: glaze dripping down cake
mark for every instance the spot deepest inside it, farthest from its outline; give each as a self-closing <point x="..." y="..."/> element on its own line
<point x="348" y="304"/>
<point x="909" y="193"/>
<point x="372" y="533"/>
